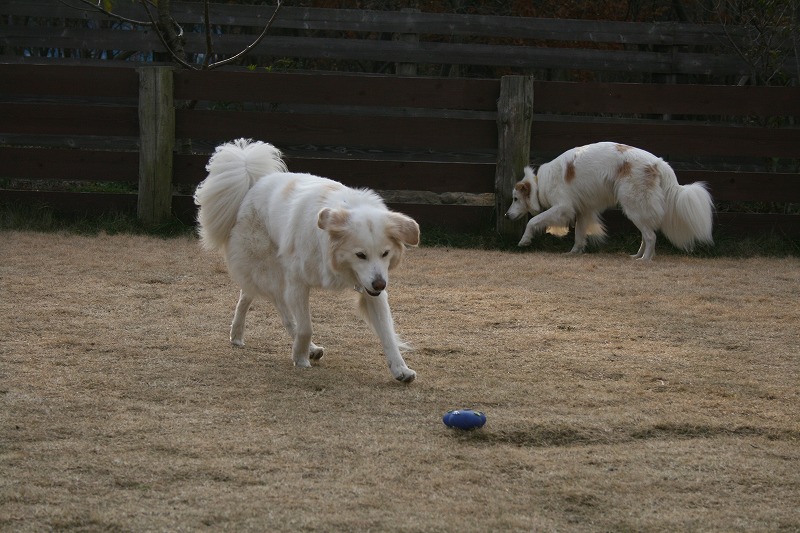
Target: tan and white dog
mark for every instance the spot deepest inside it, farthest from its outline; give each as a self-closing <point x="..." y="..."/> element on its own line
<point x="577" y="186"/>
<point x="284" y="233"/>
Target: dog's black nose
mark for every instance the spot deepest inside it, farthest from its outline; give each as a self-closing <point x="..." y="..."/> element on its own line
<point x="378" y="284"/>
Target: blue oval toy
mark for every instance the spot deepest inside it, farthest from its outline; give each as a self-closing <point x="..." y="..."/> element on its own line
<point x="464" y="419"/>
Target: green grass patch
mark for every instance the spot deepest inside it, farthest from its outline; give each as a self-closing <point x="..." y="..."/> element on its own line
<point x="44" y="219"/>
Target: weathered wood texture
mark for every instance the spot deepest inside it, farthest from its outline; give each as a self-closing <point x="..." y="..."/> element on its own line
<point x="381" y="132"/>
<point x="340" y="90"/>
<point x="55" y="29"/>
<point x="514" y="120"/>
<point x="156" y="143"/>
<point x="392" y="134"/>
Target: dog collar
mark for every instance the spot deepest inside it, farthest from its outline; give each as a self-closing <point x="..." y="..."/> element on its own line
<point x="538" y="200"/>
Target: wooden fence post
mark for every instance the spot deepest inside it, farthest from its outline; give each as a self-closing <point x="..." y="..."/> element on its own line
<point x="514" y="121"/>
<point x="156" y="143"/>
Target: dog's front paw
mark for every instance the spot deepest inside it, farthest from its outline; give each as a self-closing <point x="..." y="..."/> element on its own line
<point x="404" y="374"/>
<point x="238" y="343"/>
<point x="302" y="363"/>
<point x="526" y="241"/>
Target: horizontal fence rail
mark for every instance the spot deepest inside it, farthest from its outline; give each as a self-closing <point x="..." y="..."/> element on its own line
<point x="70" y="137"/>
<point x="54" y="29"/>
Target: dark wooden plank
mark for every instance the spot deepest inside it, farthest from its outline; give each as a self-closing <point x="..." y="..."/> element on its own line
<point x="78" y="38"/>
<point x="388" y="51"/>
<point x="189" y="169"/>
<point x="460" y="218"/>
<point x="85" y="165"/>
<point x="566" y="97"/>
<point x="475" y="178"/>
<point x="425" y="52"/>
<point x="665" y="139"/>
<point x="56" y="119"/>
<point x="184" y="208"/>
<point x="756" y="224"/>
<point x="439" y="177"/>
<point x="509" y="27"/>
<point x="336" y="89"/>
<point x="747" y="186"/>
<point x="725" y="224"/>
<point x="286" y="129"/>
<point x="60" y="80"/>
<point x="73" y="203"/>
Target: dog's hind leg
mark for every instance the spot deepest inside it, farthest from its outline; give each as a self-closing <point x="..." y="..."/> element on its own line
<point x="237" y="327"/>
<point x="648" y="247"/>
<point x="640" y="253"/>
<point x="646" y="210"/>
<point x="582" y="226"/>
<point x="647" y="250"/>
<point x="379" y="316"/>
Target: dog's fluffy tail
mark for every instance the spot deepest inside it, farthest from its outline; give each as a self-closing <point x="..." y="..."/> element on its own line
<point x="688" y="213"/>
<point x="233" y="169"/>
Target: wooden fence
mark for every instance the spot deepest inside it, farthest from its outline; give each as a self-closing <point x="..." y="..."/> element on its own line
<point x="371" y="40"/>
<point x="430" y="145"/>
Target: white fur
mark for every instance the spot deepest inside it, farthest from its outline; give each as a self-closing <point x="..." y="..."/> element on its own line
<point x="283" y="234"/>
<point x="577" y="186"/>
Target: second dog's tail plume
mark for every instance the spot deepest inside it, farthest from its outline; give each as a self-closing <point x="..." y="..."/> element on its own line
<point x="689" y="213"/>
<point x="233" y="169"/>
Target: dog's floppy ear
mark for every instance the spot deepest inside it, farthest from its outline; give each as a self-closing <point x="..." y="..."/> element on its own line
<point x="524" y="188"/>
<point x="403" y="228"/>
<point x="334" y="221"/>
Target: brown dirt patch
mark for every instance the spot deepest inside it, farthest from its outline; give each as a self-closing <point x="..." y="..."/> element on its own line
<point x="619" y="395"/>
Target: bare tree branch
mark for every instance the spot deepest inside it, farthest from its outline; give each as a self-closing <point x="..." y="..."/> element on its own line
<point x="253" y="44"/>
<point x="169" y="38"/>
<point x="767" y="46"/>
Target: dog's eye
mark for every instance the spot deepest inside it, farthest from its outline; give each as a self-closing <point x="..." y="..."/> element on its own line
<point x="361" y="255"/>
<point x="385" y="253"/>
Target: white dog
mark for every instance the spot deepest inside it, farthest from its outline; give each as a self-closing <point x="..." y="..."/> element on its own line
<point x="283" y="234"/>
<point x="577" y="186"/>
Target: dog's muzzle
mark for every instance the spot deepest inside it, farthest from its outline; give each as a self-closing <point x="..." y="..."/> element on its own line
<point x="378" y="285"/>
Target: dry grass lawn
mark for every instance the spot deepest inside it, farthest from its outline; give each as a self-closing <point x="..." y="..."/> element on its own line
<point x="620" y="396"/>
